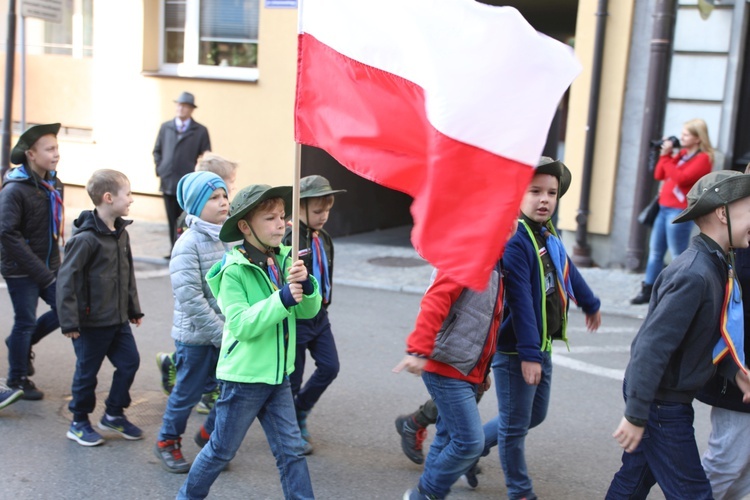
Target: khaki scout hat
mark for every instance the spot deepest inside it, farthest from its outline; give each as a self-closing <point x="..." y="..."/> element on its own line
<point x="714" y="190"/>
<point x="558" y="169"/>
<point x="315" y="186"/>
<point x="28" y="138"/>
<point x="247" y="199"/>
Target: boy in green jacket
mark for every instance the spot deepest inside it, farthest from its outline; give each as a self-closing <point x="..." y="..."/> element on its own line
<point x="261" y="293"/>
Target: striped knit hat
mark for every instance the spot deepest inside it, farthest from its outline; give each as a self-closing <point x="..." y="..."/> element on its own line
<point x="195" y="188"/>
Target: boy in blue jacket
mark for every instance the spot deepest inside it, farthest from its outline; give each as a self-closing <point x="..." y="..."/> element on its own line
<point x="540" y="283"/>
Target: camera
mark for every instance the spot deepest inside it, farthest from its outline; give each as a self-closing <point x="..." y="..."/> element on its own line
<point x="656" y="144"/>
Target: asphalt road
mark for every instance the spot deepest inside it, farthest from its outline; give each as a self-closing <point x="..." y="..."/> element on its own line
<point x="357" y="451"/>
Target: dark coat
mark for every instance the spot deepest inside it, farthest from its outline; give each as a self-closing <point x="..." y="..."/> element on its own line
<point x="671" y="356"/>
<point x="96" y="282"/>
<point x="27" y="246"/>
<point x="175" y="157"/>
<point x="720" y="391"/>
<point x="305" y="250"/>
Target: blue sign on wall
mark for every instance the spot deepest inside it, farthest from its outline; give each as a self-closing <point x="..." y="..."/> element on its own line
<point x="283" y="4"/>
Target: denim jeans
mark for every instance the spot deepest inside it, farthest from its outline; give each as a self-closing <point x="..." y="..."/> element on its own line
<point x="520" y="407"/>
<point x="667" y="455"/>
<point x="27" y="328"/>
<point x="195" y="364"/>
<point x="459" y="438"/>
<point x="236" y="410"/>
<point x="92" y="346"/>
<point x="314" y="335"/>
<point x="665" y="235"/>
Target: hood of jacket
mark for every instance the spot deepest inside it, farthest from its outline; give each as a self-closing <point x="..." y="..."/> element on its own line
<point x="89" y="221"/>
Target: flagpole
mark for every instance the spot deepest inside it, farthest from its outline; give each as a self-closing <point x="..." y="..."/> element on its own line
<point x="295" y="201"/>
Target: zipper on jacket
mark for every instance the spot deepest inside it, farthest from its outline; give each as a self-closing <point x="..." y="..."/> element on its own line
<point x="231" y="348"/>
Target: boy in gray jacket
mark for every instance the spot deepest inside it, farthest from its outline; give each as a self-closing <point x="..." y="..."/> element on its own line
<point x="96" y="301"/>
<point x="671" y="356"/>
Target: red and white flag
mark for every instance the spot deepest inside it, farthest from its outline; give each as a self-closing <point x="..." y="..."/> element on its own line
<point x="448" y="101"/>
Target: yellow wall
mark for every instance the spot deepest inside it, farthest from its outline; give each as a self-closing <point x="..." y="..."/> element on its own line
<point x="606" y="150"/>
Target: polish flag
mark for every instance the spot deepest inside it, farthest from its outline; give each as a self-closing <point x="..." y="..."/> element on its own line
<point x="448" y="101"/>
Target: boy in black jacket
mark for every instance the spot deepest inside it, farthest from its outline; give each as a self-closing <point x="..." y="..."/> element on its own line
<point x="671" y="356"/>
<point x="96" y="301"/>
<point x="30" y="230"/>
<point x="314" y="335"/>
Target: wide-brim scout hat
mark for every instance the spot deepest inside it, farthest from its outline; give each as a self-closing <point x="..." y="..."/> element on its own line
<point x="712" y="191"/>
<point x="247" y="199"/>
<point x="186" y="98"/>
<point x="315" y="186"/>
<point x="28" y="138"/>
<point x="557" y="168"/>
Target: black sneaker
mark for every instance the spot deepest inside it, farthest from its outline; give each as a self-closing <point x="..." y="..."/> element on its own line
<point x="30" y="392"/>
<point x="470" y="477"/>
<point x="30" y="371"/>
<point x="170" y="454"/>
<point x="168" y="371"/>
<point x="9" y="396"/>
<point x="122" y="426"/>
<point x="412" y="437"/>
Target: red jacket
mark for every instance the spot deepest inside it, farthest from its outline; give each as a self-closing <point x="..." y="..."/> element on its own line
<point x="681" y="178"/>
<point x="433" y="311"/>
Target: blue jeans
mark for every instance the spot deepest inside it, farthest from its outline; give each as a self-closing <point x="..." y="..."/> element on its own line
<point x="459" y="438"/>
<point x="667" y="455"/>
<point x="665" y="235"/>
<point x="236" y="409"/>
<point x="195" y="364"/>
<point x="520" y="407"/>
<point x="27" y="329"/>
<point x="92" y="346"/>
<point x="314" y="335"/>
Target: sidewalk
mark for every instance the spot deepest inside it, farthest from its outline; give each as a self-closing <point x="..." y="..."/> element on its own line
<point x="385" y="260"/>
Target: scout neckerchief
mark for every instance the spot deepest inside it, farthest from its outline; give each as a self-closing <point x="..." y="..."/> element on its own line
<point x="57" y="210"/>
<point x="562" y="265"/>
<point x="732" y="340"/>
<point x="320" y="266"/>
<point x="271" y="267"/>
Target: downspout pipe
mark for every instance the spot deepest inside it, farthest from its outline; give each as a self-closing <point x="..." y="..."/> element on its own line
<point x="581" y="249"/>
<point x="10" y="58"/>
<point x="665" y="15"/>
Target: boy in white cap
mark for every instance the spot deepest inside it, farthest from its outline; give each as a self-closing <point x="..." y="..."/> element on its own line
<point x="671" y="356"/>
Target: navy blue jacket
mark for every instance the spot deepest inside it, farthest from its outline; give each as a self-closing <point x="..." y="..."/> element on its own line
<point x="521" y="330"/>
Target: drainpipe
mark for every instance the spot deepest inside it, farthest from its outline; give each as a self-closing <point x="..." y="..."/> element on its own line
<point x="665" y="14"/>
<point x="581" y="249"/>
<point x="10" y="56"/>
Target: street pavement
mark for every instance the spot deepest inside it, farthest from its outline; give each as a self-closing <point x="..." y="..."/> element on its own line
<point x="379" y="279"/>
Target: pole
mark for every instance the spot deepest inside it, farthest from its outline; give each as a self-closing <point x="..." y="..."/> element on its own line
<point x="10" y="55"/>
<point x="581" y="249"/>
<point x="665" y="14"/>
<point x="23" y="72"/>
<point x="295" y="201"/>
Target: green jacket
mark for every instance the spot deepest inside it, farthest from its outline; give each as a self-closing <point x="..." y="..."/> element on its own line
<point x="254" y="348"/>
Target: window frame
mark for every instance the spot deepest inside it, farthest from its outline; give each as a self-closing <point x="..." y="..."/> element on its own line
<point x="191" y="67"/>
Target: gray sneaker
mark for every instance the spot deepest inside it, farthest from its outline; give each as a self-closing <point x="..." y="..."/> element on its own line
<point x="170" y="454"/>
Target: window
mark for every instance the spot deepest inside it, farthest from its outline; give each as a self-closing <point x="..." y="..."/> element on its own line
<point x="211" y="38"/>
<point x="72" y="36"/>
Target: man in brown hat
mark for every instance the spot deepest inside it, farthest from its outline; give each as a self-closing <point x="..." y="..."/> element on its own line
<point x="671" y="356"/>
<point x="181" y="141"/>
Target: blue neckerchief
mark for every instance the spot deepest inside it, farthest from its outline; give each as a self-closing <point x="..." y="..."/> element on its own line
<point x="732" y="339"/>
<point x="320" y="267"/>
<point x="560" y="260"/>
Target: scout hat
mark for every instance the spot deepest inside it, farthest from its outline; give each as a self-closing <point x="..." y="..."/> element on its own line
<point x="186" y="98"/>
<point x="714" y="190"/>
<point x="314" y="186"/>
<point x="195" y="188"/>
<point x="556" y="168"/>
<point x="247" y="199"/>
<point x="28" y="138"/>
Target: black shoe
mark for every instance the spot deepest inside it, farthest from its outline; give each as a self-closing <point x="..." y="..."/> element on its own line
<point x="412" y="437"/>
<point x="30" y="392"/>
<point x="644" y="296"/>
<point x="30" y="368"/>
<point x="471" y="476"/>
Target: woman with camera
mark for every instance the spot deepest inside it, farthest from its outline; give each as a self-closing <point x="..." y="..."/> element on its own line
<point x="678" y="171"/>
